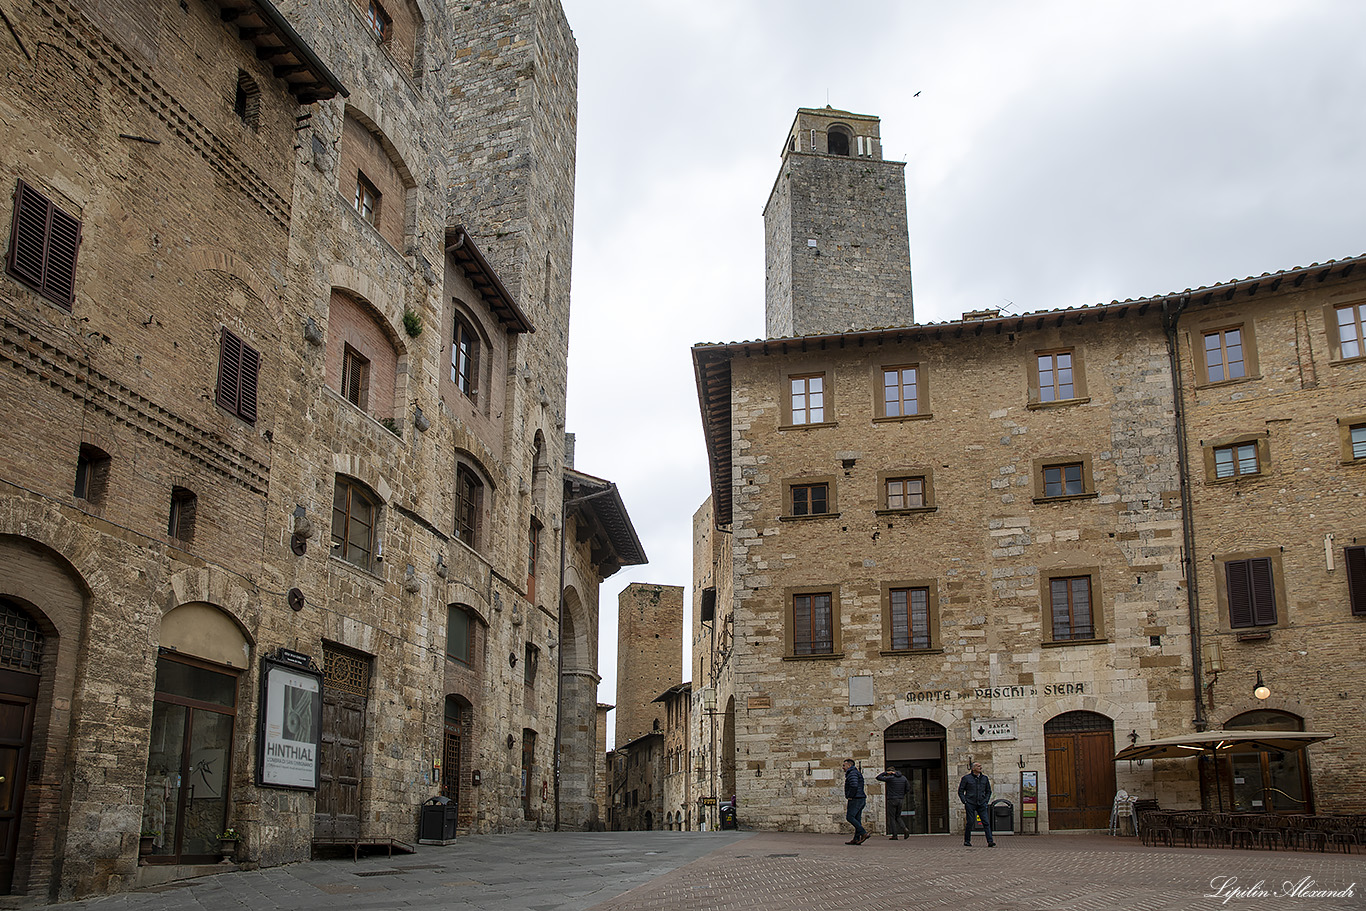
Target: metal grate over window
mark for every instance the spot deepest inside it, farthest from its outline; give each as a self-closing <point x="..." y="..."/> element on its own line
<point x="1078" y="722"/>
<point x="21" y="644"/>
<point x="346" y="672"/>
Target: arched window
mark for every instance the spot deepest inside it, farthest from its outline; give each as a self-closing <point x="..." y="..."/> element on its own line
<point x="465" y="358"/>
<point x="354" y="517"/>
<point x="469" y="504"/>
<point x="837" y="140"/>
<point x="21" y="642"/>
<point x="460" y="630"/>
<point x="1265" y="781"/>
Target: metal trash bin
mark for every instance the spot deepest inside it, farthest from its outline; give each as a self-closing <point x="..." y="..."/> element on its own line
<point x="1002" y="815"/>
<point x="728" y="820"/>
<point x="437" y="823"/>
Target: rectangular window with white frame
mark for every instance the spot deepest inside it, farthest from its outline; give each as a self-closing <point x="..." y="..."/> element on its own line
<point x="808" y="399"/>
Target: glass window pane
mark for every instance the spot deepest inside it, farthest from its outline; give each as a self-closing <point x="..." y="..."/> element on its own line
<point x="1223" y="463"/>
<point x="177" y="679"/>
<point x="1359" y="441"/>
<point x="1247" y="458"/>
<point x="818" y="498"/>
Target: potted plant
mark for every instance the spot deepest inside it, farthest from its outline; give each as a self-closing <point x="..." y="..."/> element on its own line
<point x="227" y="843"/>
<point x="147" y="841"/>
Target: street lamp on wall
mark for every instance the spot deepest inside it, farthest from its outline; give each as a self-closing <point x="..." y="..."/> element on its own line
<point x="1261" y="690"/>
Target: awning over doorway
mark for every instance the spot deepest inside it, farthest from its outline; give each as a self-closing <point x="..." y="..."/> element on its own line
<point x="1219" y="743"/>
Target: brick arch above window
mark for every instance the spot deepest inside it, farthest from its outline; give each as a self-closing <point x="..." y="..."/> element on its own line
<point x="362" y="356"/>
<point x="373" y="178"/>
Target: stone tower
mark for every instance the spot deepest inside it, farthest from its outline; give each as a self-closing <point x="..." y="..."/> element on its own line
<point x="649" y="655"/>
<point x="836" y="247"/>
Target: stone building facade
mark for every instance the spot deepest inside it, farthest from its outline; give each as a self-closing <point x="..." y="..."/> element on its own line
<point x="675" y="773"/>
<point x="290" y="534"/>
<point x="1012" y="540"/>
<point x="838" y="256"/>
<point x="650" y="620"/>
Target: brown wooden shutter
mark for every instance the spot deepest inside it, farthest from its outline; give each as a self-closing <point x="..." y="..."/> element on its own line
<point x="1355" y="558"/>
<point x="239" y="368"/>
<point x="59" y="279"/>
<point x="43" y="245"/>
<point x="1239" y="589"/>
<point x="250" y="372"/>
<point x="1263" y="592"/>
<point x="229" y="371"/>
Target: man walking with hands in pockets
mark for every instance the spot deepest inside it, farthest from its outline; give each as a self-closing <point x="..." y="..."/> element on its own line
<point x="975" y="792"/>
<point x="854" y="793"/>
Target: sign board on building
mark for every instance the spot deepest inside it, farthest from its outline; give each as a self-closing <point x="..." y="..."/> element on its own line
<point x="993" y="729"/>
<point x="1029" y="795"/>
<point x="708" y="801"/>
<point x="760" y="702"/>
<point x="290" y="727"/>
<point x="860" y="690"/>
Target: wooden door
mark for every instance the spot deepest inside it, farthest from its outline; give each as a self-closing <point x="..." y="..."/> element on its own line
<point x="346" y="681"/>
<point x="17" y="694"/>
<point x="1081" y="770"/>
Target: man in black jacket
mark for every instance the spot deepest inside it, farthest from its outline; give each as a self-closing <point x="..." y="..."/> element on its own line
<point x="898" y="786"/>
<point x="853" y="792"/>
<point x="975" y="792"/>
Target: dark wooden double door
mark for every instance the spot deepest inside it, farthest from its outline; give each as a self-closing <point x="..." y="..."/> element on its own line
<point x="346" y="683"/>
<point x="1080" y="750"/>
<point x="18" y="692"/>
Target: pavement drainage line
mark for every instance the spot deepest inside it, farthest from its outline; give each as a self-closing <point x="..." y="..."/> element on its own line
<point x="380" y="873"/>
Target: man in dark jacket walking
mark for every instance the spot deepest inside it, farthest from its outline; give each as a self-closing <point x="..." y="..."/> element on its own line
<point x="898" y="786"/>
<point x="853" y="792"/>
<point x="975" y="792"/>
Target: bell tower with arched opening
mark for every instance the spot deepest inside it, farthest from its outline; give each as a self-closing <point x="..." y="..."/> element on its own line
<point x="836" y="247"/>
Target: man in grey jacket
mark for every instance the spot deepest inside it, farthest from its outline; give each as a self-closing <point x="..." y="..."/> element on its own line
<point x="975" y="792"/>
<point x="898" y="786"/>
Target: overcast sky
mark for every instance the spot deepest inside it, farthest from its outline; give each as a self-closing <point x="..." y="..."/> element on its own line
<point x="1059" y="154"/>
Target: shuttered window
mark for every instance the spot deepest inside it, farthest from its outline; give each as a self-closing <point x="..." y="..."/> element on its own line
<point x="355" y="377"/>
<point x="1251" y="593"/>
<point x="1355" y="558"/>
<point x="239" y="366"/>
<point x="43" y="245"/>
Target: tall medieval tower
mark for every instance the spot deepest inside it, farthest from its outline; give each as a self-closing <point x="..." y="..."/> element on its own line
<point x="649" y="655"/>
<point x="836" y="247"/>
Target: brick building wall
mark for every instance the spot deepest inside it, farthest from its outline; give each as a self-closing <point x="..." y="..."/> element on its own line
<point x="650" y="619"/>
<point x="215" y="220"/>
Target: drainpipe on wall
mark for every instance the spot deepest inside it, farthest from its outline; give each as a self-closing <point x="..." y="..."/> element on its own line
<point x="1170" y="318"/>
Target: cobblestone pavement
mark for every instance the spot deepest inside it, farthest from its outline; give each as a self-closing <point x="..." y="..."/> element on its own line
<point x="678" y="871"/>
<point x="1022" y="873"/>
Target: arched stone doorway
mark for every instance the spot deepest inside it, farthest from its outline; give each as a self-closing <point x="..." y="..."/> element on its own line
<point x="728" y="751"/>
<point x="1080" y="751"/>
<point x="1264" y="781"/>
<point x="454" y="746"/>
<point x="21" y="667"/>
<point x="915" y="746"/>
<point x="194" y="715"/>
<point x="46" y="596"/>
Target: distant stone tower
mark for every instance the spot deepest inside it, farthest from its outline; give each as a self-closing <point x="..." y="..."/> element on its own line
<point x="649" y="655"/>
<point x="837" y="252"/>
